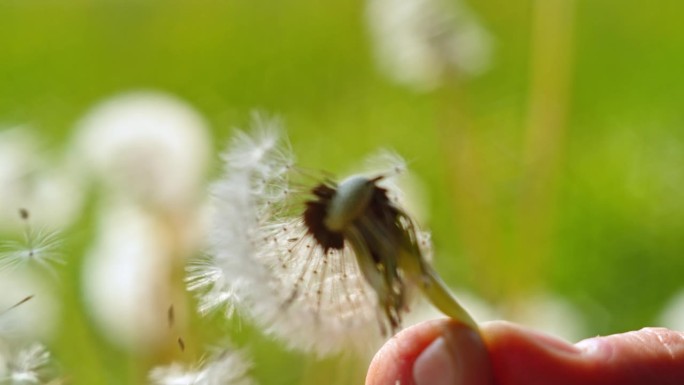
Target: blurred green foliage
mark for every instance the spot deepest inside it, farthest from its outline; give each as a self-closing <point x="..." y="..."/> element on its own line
<point x="616" y="221"/>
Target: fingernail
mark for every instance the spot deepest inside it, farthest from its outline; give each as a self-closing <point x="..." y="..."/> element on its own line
<point x="436" y="366"/>
<point x="595" y="347"/>
<point x="456" y="358"/>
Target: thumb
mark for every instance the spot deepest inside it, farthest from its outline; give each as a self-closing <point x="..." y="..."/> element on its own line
<point x="439" y="352"/>
<point x="445" y="352"/>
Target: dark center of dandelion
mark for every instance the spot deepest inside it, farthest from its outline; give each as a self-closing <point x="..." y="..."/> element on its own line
<point x="314" y="218"/>
<point x="334" y="208"/>
<point x="361" y="213"/>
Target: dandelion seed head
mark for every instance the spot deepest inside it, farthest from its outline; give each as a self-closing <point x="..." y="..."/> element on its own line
<point x="228" y="367"/>
<point x="273" y="254"/>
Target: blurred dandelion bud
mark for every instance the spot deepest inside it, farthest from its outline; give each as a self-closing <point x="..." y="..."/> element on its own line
<point x="225" y="367"/>
<point x="326" y="266"/>
<point x="419" y="42"/>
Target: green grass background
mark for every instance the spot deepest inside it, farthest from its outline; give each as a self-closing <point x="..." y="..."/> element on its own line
<point x="614" y="227"/>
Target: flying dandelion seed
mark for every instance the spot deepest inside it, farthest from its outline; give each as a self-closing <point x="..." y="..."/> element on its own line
<point x="228" y="367"/>
<point x="29" y="309"/>
<point x="325" y="266"/>
<point x="38" y="246"/>
<point x="23" y="301"/>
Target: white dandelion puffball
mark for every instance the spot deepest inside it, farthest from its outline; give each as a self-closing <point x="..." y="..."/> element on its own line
<point x="314" y="263"/>
<point x="31" y="179"/>
<point x="417" y="42"/>
<point x="146" y="146"/>
<point x="124" y="277"/>
<point x="228" y="367"/>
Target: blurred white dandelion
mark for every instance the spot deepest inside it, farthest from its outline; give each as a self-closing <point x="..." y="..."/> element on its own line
<point x="149" y="153"/>
<point x="324" y="266"/>
<point x="148" y="147"/>
<point x="125" y="273"/>
<point x="39" y="246"/>
<point x="418" y="42"/>
<point x="227" y="367"/>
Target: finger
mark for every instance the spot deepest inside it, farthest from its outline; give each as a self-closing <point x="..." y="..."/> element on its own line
<point x="444" y="352"/>
<point x="522" y="356"/>
<point x="440" y="352"/>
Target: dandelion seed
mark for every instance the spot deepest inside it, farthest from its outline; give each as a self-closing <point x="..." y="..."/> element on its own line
<point x="205" y="277"/>
<point x="25" y="317"/>
<point x="38" y="246"/>
<point x="328" y="267"/>
<point x="227" y="367"/>
<point x="24" y="300"/>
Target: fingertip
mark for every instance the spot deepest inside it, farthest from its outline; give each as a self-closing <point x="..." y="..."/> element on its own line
<point x="394" y="361"/>
<point x="435" y="352"/>
<point x="649" y="355"/>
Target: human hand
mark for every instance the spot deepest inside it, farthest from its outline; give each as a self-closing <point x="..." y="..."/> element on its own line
<point x="444" y="352"/>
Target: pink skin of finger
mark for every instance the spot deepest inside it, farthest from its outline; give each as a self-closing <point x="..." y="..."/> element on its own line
<point x="444" y="352"/>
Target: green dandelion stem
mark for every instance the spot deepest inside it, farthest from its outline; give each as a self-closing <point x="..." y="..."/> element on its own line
<point x="434" y="288"/>
<point x="438" y="294"/>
